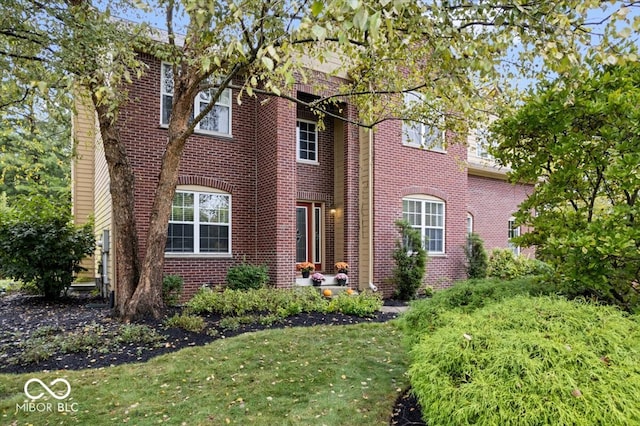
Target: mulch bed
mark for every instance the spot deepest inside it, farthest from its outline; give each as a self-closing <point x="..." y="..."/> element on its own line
<point x="21" y="315"/>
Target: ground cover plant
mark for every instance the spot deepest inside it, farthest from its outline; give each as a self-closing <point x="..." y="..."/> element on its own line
<point x="36" y="334"/>
<point x="290" y="375"/>
<point x="426" y="315"/>
<point x="530" y="361"/>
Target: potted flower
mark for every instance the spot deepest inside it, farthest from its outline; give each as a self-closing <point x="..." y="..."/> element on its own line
<point x="341" y="278"/>
<point x="342" y="267"/>
<point x="317" y="279"/>
<point x="305" y="268"/>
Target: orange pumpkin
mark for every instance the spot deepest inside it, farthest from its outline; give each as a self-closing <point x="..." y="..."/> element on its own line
<point x="327" y="293"/>
<point x="349" y="291"/>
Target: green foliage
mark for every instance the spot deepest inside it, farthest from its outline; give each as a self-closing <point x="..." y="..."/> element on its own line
<point x="39" y="244"/>
<point x="280" y="303"/>
<point x="137" y="333"/>
<point x="187" y="322"/>
<point x="363" y="304"/>
<point x="48" y="341"/>
<point x="426" y="315"/>
<point x="477" y="259"/>
<point x="172" y="289"/>
<point x="410" y="262"/>
<point x="530" y="361"/>
<point x="246" y="276"/>
<point x="504" y="264"/>
<point x="577" y="139"/>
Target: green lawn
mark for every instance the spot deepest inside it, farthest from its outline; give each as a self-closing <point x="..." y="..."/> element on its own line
<point x="340" y="375"/>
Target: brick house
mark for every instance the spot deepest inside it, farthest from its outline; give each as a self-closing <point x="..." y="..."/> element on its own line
<point x="262" y="181"/>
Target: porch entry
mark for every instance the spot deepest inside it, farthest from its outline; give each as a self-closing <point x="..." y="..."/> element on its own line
<point x="309" y="233"/>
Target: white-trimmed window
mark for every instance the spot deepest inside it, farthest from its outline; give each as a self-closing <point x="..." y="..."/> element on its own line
<point x="513" y="231"/>
<point x="200" y="223"/>
<point x="483" y="143"/>
<point x="427" y="214"/>
<point x="469" y="223"/>
<point x="217" y="121"/>
<point x="307" y="141"/>
<point x="420" y="135"/>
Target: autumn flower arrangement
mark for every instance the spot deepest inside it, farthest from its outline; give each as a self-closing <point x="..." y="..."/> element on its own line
<point x="305" y="267"/>
<point x="342" y="267"/>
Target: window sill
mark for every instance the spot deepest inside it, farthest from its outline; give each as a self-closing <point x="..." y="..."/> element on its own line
<point x="205" y="133"/>
<point x="198" y="256"/>
<point x="422" y="148"/>
<point x="441" y="255"/>
<point x="309" y="162"/>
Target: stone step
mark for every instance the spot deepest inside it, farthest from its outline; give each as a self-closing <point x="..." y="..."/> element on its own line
<point x="329" y="279"/>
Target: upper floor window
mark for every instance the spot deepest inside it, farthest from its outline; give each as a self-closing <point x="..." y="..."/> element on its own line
<point x="200" y="223"/>
<point x="427" y="214"/>
<point x="415" y="133"/>
<point x="218" y="120"/>
<point x="307" y="141"/>
<point x="513" y="231"/>
<point x="483" y="143"/>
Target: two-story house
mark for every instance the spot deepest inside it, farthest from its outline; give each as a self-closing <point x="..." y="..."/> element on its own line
<point x="262" y="181"/>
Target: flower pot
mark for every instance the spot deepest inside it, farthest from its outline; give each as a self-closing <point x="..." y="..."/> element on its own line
<point x="342" y="282"/>
<point x="305" y="274"/>
<point x="316" y="283"/>
<point x="342" y="271"/>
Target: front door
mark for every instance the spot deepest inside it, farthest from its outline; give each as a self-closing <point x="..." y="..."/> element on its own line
<point x="309" y="233"/>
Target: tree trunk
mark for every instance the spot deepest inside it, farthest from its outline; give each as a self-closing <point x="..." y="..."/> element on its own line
<point x="125" y="238"/>
<point x="147" y="298"/>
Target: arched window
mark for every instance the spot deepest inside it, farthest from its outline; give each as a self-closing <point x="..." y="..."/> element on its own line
<point x="200" y="222"/>
<point x="427" y="214"/>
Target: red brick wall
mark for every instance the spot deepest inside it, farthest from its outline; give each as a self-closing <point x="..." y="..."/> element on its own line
<point x="225" y="163"/>
<point x="400" y="171"/>
<point x="258" y="167"/>
<point x="492" y="202"/>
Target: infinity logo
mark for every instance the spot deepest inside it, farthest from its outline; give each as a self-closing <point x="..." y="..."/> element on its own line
<point x="47" y="388"/>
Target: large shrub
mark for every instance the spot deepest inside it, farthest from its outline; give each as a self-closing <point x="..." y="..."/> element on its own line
<point x="477" y="259"/>
<point x="39" y="244"/>
<point x="411" y="262"/>
<point x="583" y="156"/>
<point x="530" y="361"/>
<point x="246" y="276"/>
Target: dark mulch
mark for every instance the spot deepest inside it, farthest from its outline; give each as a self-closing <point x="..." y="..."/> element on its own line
<point x="21" y="315"/>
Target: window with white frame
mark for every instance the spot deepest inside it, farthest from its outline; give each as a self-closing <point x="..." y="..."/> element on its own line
<point x="415" y="133"/>
<point x="513" y="231"/>
<point x="483" y="143"/>
<point x="469" y="223"/>
<point x="307" y="141"/>
<point x="200" y="223"/>
<point x="427" y="214"/>
<point x="218" y="120"/>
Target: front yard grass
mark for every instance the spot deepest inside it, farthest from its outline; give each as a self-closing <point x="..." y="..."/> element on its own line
<point x="322" y="375"/>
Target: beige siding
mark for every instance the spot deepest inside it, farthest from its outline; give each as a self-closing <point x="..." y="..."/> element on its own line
<point x="102" y="203"/>
<point x="482" y="166"/>
<point x="82" y="130"/>
<point x="338" y="188"/>
<point x="366" y="209"/>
